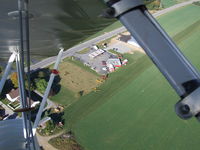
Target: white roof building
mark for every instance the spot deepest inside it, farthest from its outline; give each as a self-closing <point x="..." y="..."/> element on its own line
<point x="13" y="95"/>
<point x="96" y="53"/>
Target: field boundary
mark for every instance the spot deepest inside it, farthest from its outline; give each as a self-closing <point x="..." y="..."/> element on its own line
<point x="183" y="35"/>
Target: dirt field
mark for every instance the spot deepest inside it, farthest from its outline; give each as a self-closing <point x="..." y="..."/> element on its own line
<point x="77" y="79"/>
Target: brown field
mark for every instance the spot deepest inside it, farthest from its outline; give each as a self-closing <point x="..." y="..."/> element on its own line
<point x="77" y="79"/>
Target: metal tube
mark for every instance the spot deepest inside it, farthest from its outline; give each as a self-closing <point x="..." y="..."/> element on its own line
<point x="7" y="71"/>
<point x="27" y="43"/>
<point x="46" y="94"/>
<point x="21" y="72"/>
<point x="152" y="19"/>
<point x="21" y="93"/>
<point x="182" y="76"/>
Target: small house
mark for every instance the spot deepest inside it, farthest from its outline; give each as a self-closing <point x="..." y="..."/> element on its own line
<point x="13" y="95"/>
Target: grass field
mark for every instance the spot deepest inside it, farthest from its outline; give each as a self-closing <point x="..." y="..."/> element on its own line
<point x="168" y="3"/>
<point x="134" y="109"/>
<point x="84" y="51"/>
<point x="75" y="80"/>
<point x="186" y="16"/>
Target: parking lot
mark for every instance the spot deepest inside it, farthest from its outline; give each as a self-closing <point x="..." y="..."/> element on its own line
<point x="120" y="47"/>
<point x="95" y="63"/>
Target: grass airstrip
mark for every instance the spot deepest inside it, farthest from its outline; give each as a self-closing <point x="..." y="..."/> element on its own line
<point x="134" y="108"/>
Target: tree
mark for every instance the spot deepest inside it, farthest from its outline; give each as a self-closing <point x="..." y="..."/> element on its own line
<point x="41" y="74"/>
<point x="14" y="79"/>
<point x="41" y="85"/>
<point x="32" y="87"/>
<point x="80" y="93"/>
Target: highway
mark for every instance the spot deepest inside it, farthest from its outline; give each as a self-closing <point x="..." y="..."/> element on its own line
<point x="70" y="52"/>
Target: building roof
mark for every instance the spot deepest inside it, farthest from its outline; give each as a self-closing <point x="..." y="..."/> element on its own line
<point x="96" y="53"/>
<point x="14" y="93"/>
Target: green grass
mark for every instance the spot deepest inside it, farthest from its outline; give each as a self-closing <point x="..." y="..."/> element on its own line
<point x="5" y="101"/>
<point x="100" y="44"/>
<point x="176" y="21"/>
<point x="84" y="51"/>
<point x="118" y="79"/>
<point x="168" y="3"/>
<point x="81" y="65"/>
<point x="64" y="97"/>
<point x="134" y="109"/>
<point x="63" y="143"/>
<point x="182" y="36"/>
<point x="114" y="52"/>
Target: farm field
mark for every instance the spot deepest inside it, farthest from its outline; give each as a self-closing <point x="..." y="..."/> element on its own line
<point x="134" y="109"/>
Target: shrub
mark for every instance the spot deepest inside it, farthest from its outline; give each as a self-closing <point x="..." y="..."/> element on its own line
<point x="41" y="85"/>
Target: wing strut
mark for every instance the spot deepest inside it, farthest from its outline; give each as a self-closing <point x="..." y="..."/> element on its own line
<point x="164" y="53"/>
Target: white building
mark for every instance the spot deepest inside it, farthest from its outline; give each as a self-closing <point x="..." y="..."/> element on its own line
<point x="96" y="53"/>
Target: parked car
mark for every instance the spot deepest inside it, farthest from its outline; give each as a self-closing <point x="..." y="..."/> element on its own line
<point x="103" y="63"/>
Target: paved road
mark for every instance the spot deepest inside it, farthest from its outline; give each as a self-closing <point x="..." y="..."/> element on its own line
<point x="174" y="7"/>
<point x="43" y="141"/>
<point x="71" y="51"/>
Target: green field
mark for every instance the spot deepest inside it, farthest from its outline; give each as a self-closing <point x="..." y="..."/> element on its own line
<point x="168" y="3"/>
<point x="134" y="109"/>
<point x="177" y="21"/>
